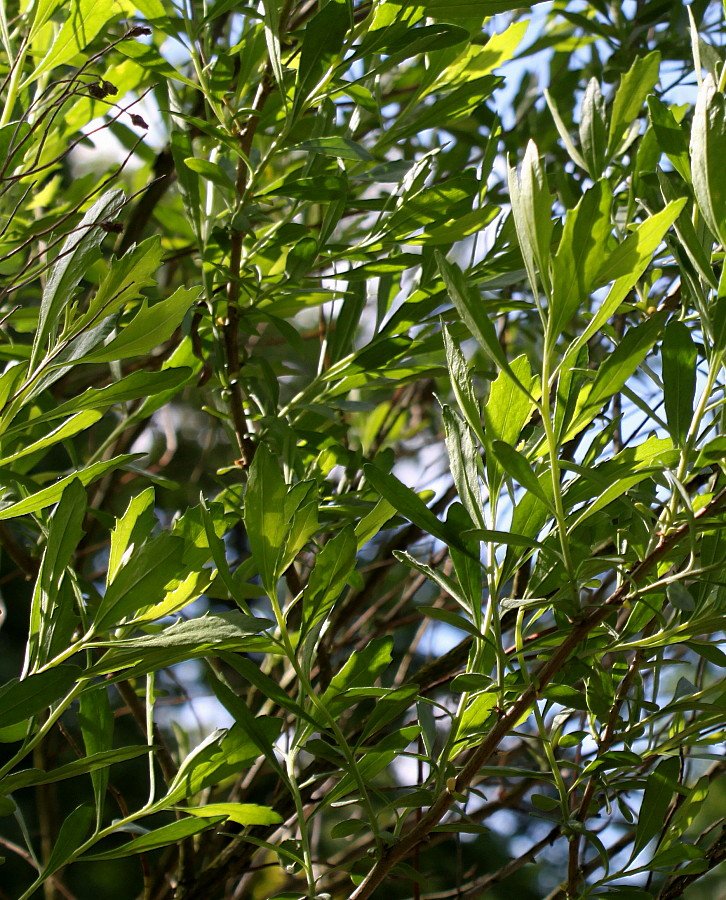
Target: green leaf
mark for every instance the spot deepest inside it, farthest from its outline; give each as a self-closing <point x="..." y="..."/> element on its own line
<point x="264" y="515"/>
<point x="696" y="243"/>
<point x="151" y="326"/>
<point x="389" y="706"/>
<point x="144" y="579"/>
<point x="472" y="312"/>
<point x="271" y="10"/>
<point x="679" y="378"/>
<point x="72" y="834"/>
<point x="77" y="254"/>
<point x="251" y="672"/>
<point x="708" y="149"/>
<point x="463" y="461"/>
<point x="85" y="19"/>
<point x="532" y="212"/>
<point x="71" y="427"/>
<point x="185" y="639"/>
<point x="132" y="529"/>
<point x="638" y="246"/>
<point x="254" y="727"/>
<point x="95" y="762"/>
<point x="223" y="754"/>
<point x="123" y="282"/>
<point x="241" y="813"/>
<point x="593" y="129"/>
<point x="477" y="61"/>
<point x="209" y="171"/>
<point x="43" y="10"/>
<point x="462" y="385"/>
<point x="13" y="144"/>
<point x="709" y="652"/>
<point x="322" y="46"/>
<point x="445" y="582"/>
<point x="52" y="617"/>
<point x="21" y="699"/>
<point x="634" y="87"/>
<point x="680" y="597"/>
<point x="650" y="234"/>
<point x="452" y="619"/>
<point x="159" y="837"/>
<point x="476" y="714"/>
<point x="407" y="503"/>
<point x="517" y="467"/>
<point x="333" y="568"/>
<point x="363" y="667"/>
<point x="617" y="368"/>
<point x="507" y="409"/>
<point x="339" y="147"/>
<point x="370" y="525"/>
<point x="659" y="787"/>
<point x="578" y="260"/>
<point x="671" y="138"/>
<point x="96" y="720"/>
<point x="132" y="387"/>
<point x="466" y="9"/>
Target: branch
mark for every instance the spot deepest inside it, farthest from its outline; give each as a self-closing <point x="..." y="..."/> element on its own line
<point x="543" y="676"/>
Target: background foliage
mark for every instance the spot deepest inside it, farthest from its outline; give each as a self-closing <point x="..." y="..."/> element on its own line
<point x="266" y="266"/>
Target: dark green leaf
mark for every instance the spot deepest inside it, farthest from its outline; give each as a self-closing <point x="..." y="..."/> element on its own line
<point x="72" y="834"/>
<point x="74" y="259"/>
<point x="708" y="149"/>
<point x="679" y="378"/>
<point x="184" y="639"/>
<point x="159" y="837"/>
<point x="19" y="700"/>
<point x="659" y="788"/>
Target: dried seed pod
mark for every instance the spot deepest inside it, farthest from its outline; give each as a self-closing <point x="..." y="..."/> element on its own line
<point x="138" y="121"/>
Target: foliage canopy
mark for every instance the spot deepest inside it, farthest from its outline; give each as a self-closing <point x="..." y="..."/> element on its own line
<point x="336" y="411"/>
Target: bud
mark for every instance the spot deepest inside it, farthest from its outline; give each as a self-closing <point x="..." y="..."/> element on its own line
<point x="137" y="31"/>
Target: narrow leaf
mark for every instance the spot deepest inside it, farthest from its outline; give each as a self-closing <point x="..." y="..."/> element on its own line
<point x="679" y="378"/>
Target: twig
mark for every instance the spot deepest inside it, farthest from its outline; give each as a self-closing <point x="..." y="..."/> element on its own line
<point x="541" y="677"/>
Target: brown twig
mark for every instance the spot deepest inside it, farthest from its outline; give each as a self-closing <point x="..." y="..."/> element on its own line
<point x="579" y="631"/>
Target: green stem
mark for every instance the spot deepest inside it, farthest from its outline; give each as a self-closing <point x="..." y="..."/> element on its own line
<point x="14" y="83"/>
<point x="40" y="734"/>
<point x="546" y="413"/>
<point x="308" y="692"/>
